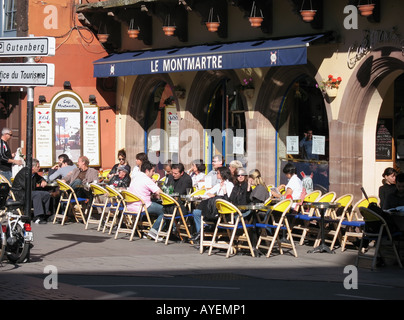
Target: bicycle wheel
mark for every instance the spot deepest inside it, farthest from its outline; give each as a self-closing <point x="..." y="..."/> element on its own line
<point x="17" y="249"/>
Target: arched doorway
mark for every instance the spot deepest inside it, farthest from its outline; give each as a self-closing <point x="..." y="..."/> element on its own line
<point x="302" y="132"/>
<point x="353" y="155"/>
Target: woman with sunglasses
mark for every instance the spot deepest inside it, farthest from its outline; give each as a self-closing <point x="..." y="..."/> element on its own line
<point x="122" y="162"/>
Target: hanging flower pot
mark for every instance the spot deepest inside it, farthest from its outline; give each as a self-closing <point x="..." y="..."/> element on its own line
<point x="366" y="9"/>
<point x="331" y="92"/>
<point x="212" y="26"/>
<point x="169" y="30"/>
<point x="255" y="20"/>
<point x="308" y="15"/>
<point x="102" y="37"/>
<point x="132" y="31"/>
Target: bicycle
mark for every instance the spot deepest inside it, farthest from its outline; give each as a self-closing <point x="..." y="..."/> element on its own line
<point x="15" y="232"/>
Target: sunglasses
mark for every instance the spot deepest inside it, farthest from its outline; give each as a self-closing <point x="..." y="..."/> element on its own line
<point x="121" y="159"/>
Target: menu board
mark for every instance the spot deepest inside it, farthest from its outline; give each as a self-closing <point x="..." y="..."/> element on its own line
<point x="384" y="139"/>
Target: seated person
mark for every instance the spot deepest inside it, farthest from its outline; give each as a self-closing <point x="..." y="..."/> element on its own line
<point x="40" y="198"/>
<point x="260" y="193"/>
<point x="122" y="162"/>
<point x="66" y="167"/>
<point x="80" y="176"/>
<point x="395" y="200"/>
<point x="144" y="187"/>
<point x="223" y="189"/>
<point x="389" y="185"/>
<point x="197" y="172"/>
<point x="121" y="179"/>
<point x="179" y="179"/>
<point x="58" y="165"/>
<point x="293" y="188"/>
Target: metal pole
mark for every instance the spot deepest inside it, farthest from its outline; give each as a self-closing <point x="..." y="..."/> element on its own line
<point x="29" y="139"/>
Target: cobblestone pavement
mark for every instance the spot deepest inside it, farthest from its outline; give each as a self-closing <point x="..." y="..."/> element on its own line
<point x="71" y="249"/>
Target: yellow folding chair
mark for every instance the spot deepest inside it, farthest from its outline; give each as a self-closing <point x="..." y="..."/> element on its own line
<point x="174" y="214"/>
<point x="99" y="201"/>
<point x="335" y="219"/>
<point x="115" y="206"/>
<point x="230" y="220"/>
<point x="354" y="222"/>
<point x="276" y="221"/>
<point x="69" y="198"/>
<point x="133" y="220"/>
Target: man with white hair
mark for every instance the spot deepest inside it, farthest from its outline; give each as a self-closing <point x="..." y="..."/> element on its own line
<point x="6" y="157"/>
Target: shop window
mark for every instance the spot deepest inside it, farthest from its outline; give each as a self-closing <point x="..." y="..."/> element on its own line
<point x="302" y="129"/>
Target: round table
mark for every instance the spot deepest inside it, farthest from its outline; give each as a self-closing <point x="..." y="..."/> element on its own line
<point x="322" y="207"/>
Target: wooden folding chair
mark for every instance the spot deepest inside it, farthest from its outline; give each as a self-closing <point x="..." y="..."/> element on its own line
<point x="115" y="206"/>
<point x="353" y="223"/>
<point x="302" y="219"/>
<point x="276" y="221"/>
<point x="3" y="179"/>
<point x="133" y="220"/>
<point x="100" y="201"/>
<point x="231" y="220"/>
<point x="375" y="229"/>
<point x="335" y="219"/>
<point x="69" y="198"/>
<point x="174" y="214"/>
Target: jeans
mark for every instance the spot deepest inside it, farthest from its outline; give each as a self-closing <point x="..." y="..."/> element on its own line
<point x="40" y="202"/>
<point x="197" y="219"/>
<point x="157" y="209"/>
<point x="7" y="174"/>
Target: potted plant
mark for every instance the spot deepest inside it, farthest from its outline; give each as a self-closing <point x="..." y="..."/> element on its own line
<point x="167" y="28"/>
<point x="248" y="88"/>
<point x="102" y="37"/>
<point x="330" y="86"/>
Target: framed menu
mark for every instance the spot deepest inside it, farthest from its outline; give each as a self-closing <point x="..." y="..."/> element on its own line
<point x="69" y="126"/>
<point x="384" y="140"/>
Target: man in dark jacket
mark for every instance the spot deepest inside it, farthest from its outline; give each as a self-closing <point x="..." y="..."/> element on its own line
<point x="40" y="198"/>
<point x="179" y="179"/>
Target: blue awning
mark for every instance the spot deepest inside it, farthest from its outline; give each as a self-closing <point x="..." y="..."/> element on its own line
<point x="237" y="55"/>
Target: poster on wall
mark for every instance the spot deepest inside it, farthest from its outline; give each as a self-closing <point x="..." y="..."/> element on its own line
<point x="68" y="126"/>
<point x="172" y="128"/>
<point x="318" y="145"/>
<point x="384" y="140"/>
<point x="292" y="144"/>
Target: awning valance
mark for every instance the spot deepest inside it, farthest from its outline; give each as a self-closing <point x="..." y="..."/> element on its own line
<point x="237" y="55"/>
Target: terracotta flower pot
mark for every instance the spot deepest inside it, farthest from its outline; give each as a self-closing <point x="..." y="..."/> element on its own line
<point x="102" y="37"/>
<point x="366" y="9"/>
<point x="308" y="15"/>
<point x="212" y="26"/>
<point x="169" y="30"/>
<point x="256" y="21"/>
<point x="133" y="34"/>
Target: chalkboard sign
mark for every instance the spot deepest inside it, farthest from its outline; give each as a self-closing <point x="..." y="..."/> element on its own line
<point x="384" y="139"/>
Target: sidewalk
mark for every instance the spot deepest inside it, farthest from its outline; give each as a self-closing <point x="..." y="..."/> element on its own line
<point x="74" y="250"/>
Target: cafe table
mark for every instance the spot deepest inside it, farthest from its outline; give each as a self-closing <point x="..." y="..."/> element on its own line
<point x="322" y="208"/>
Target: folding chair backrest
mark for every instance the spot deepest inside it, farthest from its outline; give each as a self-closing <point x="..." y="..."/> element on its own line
<point x="167" y="199"/>
<point x="130" y="197"/>
<point x="225" y="207"/>
<point x="345" y="200"/>
<point x="370" y="216"/>
<point x="4" y="179"/>
<point x="355" y="214"/>
<point x="283" y="206"/>
<point x="198" y="192"/>
<point x="156" y="177"/>
<point x="98" y="190"/>
<point x="328" y="197"/>
<point x="63" y="186"/>
<point x="312" y="196"/>
<point x="112" y="193"/>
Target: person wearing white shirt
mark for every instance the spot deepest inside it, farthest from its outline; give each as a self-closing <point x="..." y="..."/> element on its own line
<point x="223" y="188"/>
<point x="294" y="187"/>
